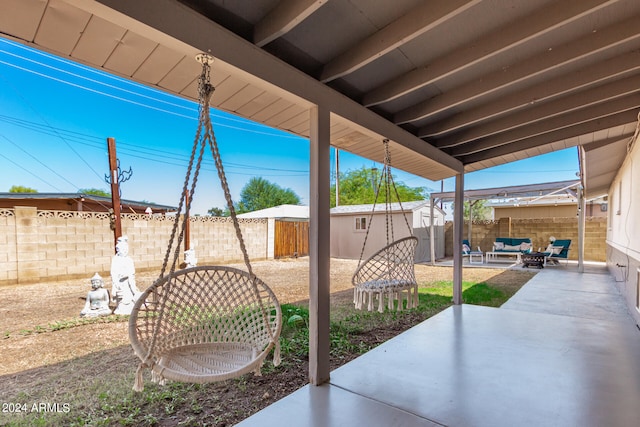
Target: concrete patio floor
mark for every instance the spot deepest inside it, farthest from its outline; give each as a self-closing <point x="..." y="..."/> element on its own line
<point x="563" y="351"/>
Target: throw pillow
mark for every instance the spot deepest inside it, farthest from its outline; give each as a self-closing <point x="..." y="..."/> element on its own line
<point x="524" y="246"/>
<point x="513" y="248"/>
<point x="498" y="245"/>
<point x="465" y="248"/>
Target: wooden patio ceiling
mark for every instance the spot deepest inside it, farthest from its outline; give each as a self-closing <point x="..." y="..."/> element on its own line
<point x="461" y="83"/>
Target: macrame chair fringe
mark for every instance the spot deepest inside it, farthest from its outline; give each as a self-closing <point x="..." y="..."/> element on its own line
<point x="208" y="323"/>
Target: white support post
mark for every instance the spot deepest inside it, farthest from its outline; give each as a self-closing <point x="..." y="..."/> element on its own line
<point x="319" y="261"/>
<point x="458" y="220"/>
<point x="581" y="228"/>
<point x="432" y="239"/>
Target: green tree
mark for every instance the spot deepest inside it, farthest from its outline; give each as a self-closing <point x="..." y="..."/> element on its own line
<point x="217" y="212"/>
<point x="21" y="189"/>
<point x="479" y="210"/>
<point x="94" y="192"/>
<point x="357" y="187"/>
<point x="260" y="193"/>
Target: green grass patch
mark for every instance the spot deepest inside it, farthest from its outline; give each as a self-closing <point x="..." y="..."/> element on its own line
<point x="472" y="293"/>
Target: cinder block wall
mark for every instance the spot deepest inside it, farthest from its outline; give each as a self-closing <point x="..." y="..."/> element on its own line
<point x="8" y="254"/>
<point x="54" y="245"/>
<point x="484" y="233"/>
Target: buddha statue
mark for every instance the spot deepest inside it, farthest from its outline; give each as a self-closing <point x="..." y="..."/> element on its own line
<point x="123" y="278"/>
<point x="97" y="303"/>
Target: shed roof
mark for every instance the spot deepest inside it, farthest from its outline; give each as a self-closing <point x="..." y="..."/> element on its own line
<point x="282" y="211"/>
<point x="379" y="208"/>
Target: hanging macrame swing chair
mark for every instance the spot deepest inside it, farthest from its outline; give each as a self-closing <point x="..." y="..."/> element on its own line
<point x="208" y="323"/>
<point x="389" y="273"/>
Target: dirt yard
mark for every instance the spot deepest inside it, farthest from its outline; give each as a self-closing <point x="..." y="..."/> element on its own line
<point x="42" y="331"/>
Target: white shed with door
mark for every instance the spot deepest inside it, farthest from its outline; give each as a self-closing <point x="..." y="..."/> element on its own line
<point x="349" y="226"/>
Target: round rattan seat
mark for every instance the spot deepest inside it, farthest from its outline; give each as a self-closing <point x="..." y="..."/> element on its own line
<point x="205" y="324"/>
<point x="388" y="273"/>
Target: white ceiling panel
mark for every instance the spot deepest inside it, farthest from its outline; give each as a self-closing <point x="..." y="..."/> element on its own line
<point x="61" y="27"/>
<point x="24" y="19"/>
<point x="99" y="40"/>
<point x="157" y="65"/>
<point x="130" y="53"/>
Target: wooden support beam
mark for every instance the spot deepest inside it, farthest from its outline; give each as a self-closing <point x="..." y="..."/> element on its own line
<point x="283" y="18"/>
<point x="605" y="93"/>
<point x="403" y="30"/>
<point x="559" y="122"/>
<point x="571" y="131"/>
<point x="542" y="21"/>
<point x="548" y="61"/>
<point x="613" y="68"/>
<point x="115" y="190"/>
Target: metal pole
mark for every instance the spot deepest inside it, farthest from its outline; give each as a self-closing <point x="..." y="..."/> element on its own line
<point x="187" y="228"/>
<point x="581" y="228"/>
<point x="432" y="239"/>
<point x="337" y="177"/>
<point x="458" y="219"/>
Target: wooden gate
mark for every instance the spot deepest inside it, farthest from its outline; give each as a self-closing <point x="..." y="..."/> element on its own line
<point x="291" y="239"/>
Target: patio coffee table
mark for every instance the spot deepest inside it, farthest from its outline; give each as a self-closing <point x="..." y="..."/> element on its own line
<point x="533" y="259"/>
<point x="493" y="256"/>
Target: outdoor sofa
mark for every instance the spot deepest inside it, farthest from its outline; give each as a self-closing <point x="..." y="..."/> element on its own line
<point x="510" y="246"/>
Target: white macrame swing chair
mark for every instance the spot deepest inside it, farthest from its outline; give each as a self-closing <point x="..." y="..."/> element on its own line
<point x="208" y="323"/>
<point x="388" y="274"/>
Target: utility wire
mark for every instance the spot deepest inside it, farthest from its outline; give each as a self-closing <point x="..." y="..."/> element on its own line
<point x="49" y="125"/>
<point x="38" y="160"/>
<point x="29" y="172"/>
<point x="106" y="94"/>
<point x="150" y="154"/>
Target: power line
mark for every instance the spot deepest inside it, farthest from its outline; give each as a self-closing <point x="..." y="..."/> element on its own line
<point x="29" y="172"/>
<point x="48" y="124"/>
<point x="188" y="108"/>
<point x="150" y="154"/>
<point x="43" y="164"/>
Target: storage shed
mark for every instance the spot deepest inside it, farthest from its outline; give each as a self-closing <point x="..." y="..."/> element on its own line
<point x="349" y="226"/>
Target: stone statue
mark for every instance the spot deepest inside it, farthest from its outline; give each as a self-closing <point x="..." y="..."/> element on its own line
<point x="190" y="259"/>
<point x="123" y="277"/>
<point x="97" y="303"/>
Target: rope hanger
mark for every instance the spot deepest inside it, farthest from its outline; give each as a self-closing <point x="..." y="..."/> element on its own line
<point x="386" y="177"/>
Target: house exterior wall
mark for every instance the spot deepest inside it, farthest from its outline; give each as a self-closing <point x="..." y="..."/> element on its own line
<point x="54" y="245"/>
<point x="484" y="233"/>
<point x="623" y="230"/>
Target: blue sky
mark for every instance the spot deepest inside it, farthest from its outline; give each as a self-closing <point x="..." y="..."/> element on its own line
<point x="56" y="115"/>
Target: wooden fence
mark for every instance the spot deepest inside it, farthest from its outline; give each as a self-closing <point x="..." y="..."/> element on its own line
<point x="291" y="239"/>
